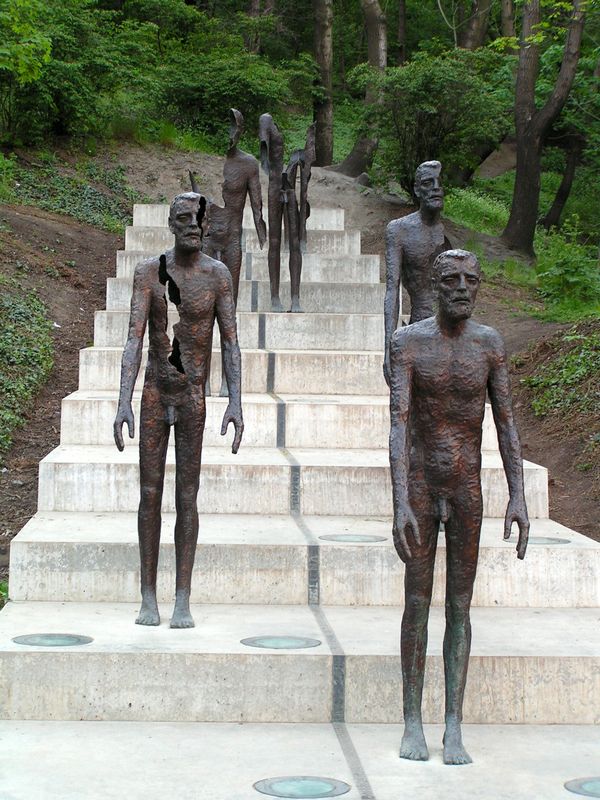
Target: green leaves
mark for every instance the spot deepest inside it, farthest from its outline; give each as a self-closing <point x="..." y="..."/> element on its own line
<point x="23" y="49"/>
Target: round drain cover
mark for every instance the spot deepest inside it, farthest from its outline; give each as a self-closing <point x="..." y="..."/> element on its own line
<point x="587" y="787"/>
<point x="52" y="639"/>
<point x="302" y="786"/>
<point x="281" y="642"/>
<point x="353" y="538"/>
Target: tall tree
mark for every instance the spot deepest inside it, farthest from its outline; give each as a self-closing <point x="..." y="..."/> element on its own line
<point x="401" y="32"/>
<point x="507" y="18"/>
<point x="533" y="123"/>
<point x="473" y="33"/>
<point x="323" y="107"/>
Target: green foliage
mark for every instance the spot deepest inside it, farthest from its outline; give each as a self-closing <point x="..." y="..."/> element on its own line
<point x="94" y="195"/>
<point x="447" y="107"/>
<point x="26" y="354"/>
<point x="7" y="178"/>
<point x="476" y="210"/>
<point x="568" y="275"/>
<point x="3" y="593"/>
<point x="568" y="382"/>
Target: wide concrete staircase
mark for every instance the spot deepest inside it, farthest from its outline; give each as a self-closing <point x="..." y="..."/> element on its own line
<point x="295" y="541"/>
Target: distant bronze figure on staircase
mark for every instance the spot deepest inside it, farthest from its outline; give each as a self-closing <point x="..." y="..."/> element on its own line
<point x="411" y="246"/>
<point x="174" y="389"/>
<point x="441" y="369"/>
<point x="240" y="180"/>
<point x="271" y="159"/>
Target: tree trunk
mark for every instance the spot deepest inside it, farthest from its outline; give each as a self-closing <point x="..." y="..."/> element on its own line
<point x="532" y="125"/>
<point x="401" y="32"/>
<point x="473" y="34"/>
<point x="507" y="18"/>
<point x="360" y="158"/>
<point x="552" y="218"/>
<point x="323" y="109"/>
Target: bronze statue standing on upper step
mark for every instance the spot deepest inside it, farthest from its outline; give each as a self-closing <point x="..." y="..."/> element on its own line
<point x="411" y="246"/>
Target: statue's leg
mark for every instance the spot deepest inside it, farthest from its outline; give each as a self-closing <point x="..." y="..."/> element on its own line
<point x="154" y="438"/>
<point x="189" y="430"/>
<point x="418" y="586"/>
<point x="462" y="550"/>
<point x="274" y="257"/>
<point x="232" y="257"/>
<point x="293" y="231"/>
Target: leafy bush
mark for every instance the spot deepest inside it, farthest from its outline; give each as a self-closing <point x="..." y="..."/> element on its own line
<point x="26" y="354"/>
<point x="7" y="178"/>
<point x="450" y="107"/>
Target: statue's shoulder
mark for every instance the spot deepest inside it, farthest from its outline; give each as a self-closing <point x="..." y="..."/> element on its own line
<point x="248" y="158"/>
<point x="147" y="269"/>
<point x="401" y="224"/>
<point x="488" y="336"/>
<point x="414" y="335"/>
<point x="215" y="267"/>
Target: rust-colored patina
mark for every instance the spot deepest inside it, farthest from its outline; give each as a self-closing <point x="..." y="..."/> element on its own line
<point x="441" y="369"/>
<point x="174" y="389"/>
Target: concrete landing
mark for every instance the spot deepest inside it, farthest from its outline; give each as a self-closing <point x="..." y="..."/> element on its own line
<point x="192" y="761"/>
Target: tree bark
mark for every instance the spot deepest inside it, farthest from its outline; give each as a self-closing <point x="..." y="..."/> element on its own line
<point x="531" y="124"/>
<point x="474" y="32"/>
<point x="507" y="18"/>
<point x="552" y="218"/>
<point x="323" y="109"/>
<point x="401" y="32"/>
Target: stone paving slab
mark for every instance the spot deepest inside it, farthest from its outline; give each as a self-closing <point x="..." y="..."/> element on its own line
<point x="220" y="761"/>
<point x="284" y="560"/>
<point x="527" y="665"/>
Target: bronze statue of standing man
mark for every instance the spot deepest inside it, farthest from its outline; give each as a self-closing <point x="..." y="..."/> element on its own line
<point x="174" y="394"/>
<point x="440" y="370"/>
<point x="411" y="245"/>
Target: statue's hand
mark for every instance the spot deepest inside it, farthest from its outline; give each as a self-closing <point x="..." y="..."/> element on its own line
<point x="124" y="414"/>
<point x="517" y="512"/>
<point x="233" y="415"/>
<point x="405" y="531"/>
<point x="386" y="370"/>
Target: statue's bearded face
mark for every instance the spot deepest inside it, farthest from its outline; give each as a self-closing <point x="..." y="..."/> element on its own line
<point x="456" y="282"/>
<point x="185" y="223"/>
<point x="429" y="191"/>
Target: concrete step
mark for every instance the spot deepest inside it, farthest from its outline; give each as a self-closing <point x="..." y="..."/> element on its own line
<point x="281" y="371"/>
<point x="325" y="298"/>
<point x="223" y="761"/>
<point x="285" y="421"/>
<point x="319" y="268"/>
<point x="329" y="268"/>
<point x="258" y="481"/>
<point x="527" y="665"/>
<point x="75" y="557"/>
<point x="153" y="241"/>
<point x="271" y="331"/>
<point x="157" y="215"/>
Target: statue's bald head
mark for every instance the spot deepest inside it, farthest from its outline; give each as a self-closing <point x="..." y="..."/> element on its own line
<point x="186" y="215"/>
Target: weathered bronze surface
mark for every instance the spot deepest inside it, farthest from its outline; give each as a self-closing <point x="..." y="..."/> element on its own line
<point x="411" y="245"/>
<point x="296" y="213"/>
<point x="174" y="394"/>
<point x="271" y="159"/>
<point x="224" y="240"/>
<point x="441" y="369"/>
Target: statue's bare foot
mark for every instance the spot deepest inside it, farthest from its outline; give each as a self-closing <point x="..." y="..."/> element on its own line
<point x="276" y="304"/>
<point x="454" y="750"/>
<point x="414" y="746"/>
<point x="149" y="611"/>
<point x="296" y="308"/>
<point x="181" y="613"/>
